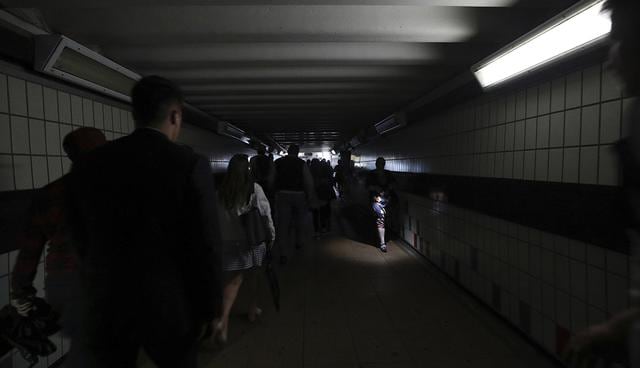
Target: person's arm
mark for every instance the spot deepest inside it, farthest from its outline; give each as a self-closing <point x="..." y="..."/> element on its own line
<point x="31" y="243"/>
<point x="203" y="262"/>
<point x="607" y="340"/>
<point x="265" y="209"/>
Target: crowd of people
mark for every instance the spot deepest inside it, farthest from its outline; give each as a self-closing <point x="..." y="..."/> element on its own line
<point x="146" y="251"/>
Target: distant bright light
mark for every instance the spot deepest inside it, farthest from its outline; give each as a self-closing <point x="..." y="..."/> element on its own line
<point x="333" y="152"/>
<point x="573" y="31"/>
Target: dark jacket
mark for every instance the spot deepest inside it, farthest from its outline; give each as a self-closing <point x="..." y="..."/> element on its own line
<point x="289" y="174"/>
<point x="144" y="223"/>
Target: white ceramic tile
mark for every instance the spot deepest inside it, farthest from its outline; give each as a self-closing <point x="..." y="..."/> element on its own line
<point x="577" y="250"/>
<point x="518" y="165"/>
<point x="76" y="110"/>
<point x="39" y="167"/>
<point x="547" y="266"/>
<point x="524" y="287"/>
<point x="5" y="134"/>
<point x="617" y="297"/>
<point x="4" y="94"/>
<point x="610" y="122"/>
<point x="549" y="331"/>
<point x="555" y="165"/>
<point x="596" y="287"/>
<point x="22" y="172"/>
<point x="562" y="273"/>
<point x="627" y="106"/>
<point x="563" y="309"/>
<point x="570" y="165"/>
<point x="35" y="100"/>
<point x="544" y="98"/>
<point x="572" y="128"/>
<point x="98" y="115"/>
<point x="124" y="121"/>
<point x="521" y="105"/>
<point x="617" y="263"/>
<point x="510" y="104"/>
<point x="610" y="85"/>
<point x="116" y="119"/>
<point x="87" y="112"/>
<point x="542" y="165"/>
<point x="548" y="301"/>
<point x="537" y="327"/>
<point x="596" y="256"/>
<point x="508" y="165"/>
<point x="64" y="107"/>
<point x="532" y="102"/>
<point x="500" y="138"/>
<point x="595" y="315"/>
<point x="52" y="132"/>
<point x="542" y="139"/>
<point x="17" y="96"/>
<point x="574" y="90"/>
<point x="578" y="315"/>
<point x="509" y="136"/>
<point x="530" y="133"/>
<point x="589" y="131"/>
<point x="589" y="165"/>
<point x="50" y="104"/>
<point x="20" y="134"/>
<point x="37" y="138"/>
<point x="519" y="142"/>
<point x="609" y="169"/>
<point x="556" y="129"/>
<point x="558" y="95"/>
<point x="591" y="85"/>
<point x="6" y="173"/>
<point x="578" y="279"/>
<point x="530" y="165"/>
<point x="55" y="168"/>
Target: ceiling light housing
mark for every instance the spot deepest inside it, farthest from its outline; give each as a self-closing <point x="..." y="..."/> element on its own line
<point x="232" y="131"/>
<point x="580" y="27"/>
<point x="66" y="59"/>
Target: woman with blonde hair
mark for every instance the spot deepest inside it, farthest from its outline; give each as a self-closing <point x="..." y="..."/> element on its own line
<point x="239" y="196"/>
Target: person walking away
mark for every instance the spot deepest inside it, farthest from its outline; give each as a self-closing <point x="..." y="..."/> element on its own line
<point x="237" y="196"/>
<point x="262" y="171"/>
<point x="618" y="339"/>
<point x="143" y="221"/>
<point x="46" y="227"/>
<point x="380" y="212"/>
<point x="294" y="193"/>
<point x="380" y="183"/>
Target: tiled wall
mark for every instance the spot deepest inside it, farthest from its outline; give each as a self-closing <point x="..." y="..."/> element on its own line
<point x="560" y="130"/>
<point x="546" y="285"/>
<point x="35" y="115"/>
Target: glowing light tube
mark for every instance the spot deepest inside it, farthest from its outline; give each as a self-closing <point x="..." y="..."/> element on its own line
<point x="575" y="30"/>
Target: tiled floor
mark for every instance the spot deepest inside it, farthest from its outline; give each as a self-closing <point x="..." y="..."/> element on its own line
<point x="345" y="304"/>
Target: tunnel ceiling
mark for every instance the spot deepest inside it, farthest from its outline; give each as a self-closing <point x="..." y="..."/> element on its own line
<point x="310" y="71"/>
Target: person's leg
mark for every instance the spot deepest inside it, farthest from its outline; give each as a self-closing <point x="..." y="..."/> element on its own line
<point x="317" y="226"/>
<point x="284" y="224"/>
<point x="381" y="233"/>
<point x="251" y="284"/>
<point x="229" y="294"/>
<point x="302" y="222"/>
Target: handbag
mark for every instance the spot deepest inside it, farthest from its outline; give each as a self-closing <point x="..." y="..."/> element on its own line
<point x="255" y="226"/>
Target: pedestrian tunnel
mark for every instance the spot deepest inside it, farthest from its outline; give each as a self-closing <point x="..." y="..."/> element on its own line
<point x="500" y="198"/>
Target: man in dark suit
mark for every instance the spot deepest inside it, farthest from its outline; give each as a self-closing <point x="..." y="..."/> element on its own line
<point x="143" y="220"/>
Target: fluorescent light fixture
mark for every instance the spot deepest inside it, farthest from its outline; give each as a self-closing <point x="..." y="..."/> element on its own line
<point x="64" y="58"/>
<point x="391" y="123"/>
<point x="579" y="27"/>
<point x="333" y="152"/>
<point x="232" y="131"/>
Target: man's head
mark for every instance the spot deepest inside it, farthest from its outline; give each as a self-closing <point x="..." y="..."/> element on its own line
<point x="157" y="103"/>
<point x="380" y="162"/>
<point x="261" y="150"/>
<point x="81" y="141"/>
<point x="625" y="52"/>
<point x="293" y="150"/>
